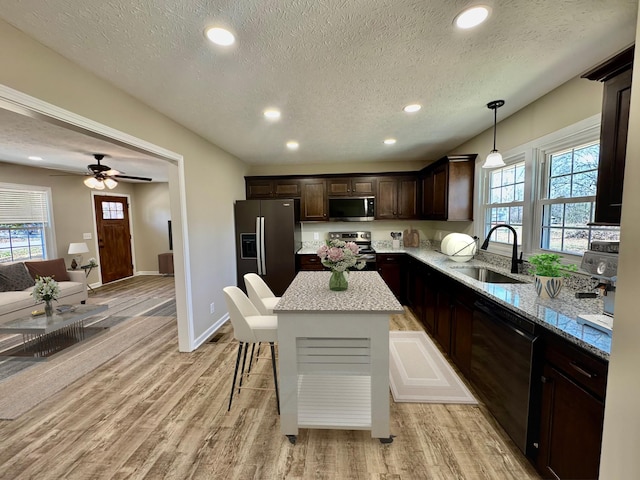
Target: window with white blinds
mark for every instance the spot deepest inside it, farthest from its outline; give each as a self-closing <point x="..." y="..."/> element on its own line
<point x="25" y="223"/>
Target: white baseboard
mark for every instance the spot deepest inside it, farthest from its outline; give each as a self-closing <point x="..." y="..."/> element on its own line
<point x="210" y="331"/>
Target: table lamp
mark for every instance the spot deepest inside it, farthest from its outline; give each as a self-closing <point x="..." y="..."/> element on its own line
<point x="77" y="249"/>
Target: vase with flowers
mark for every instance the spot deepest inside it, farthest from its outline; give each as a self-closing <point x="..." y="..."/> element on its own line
<point x="340" y="256"/>
<point x="46" y="290"/>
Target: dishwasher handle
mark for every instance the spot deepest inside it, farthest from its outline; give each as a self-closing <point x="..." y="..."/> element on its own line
<point x="511" y="320"/>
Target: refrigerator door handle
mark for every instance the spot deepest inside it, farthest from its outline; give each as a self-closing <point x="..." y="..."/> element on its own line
<point x="262" y="253"/>
<point x="258" y="244"/>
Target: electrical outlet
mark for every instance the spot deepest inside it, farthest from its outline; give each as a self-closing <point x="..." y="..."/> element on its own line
<point x="316" y="236"/>
<point x="212" y="307"/>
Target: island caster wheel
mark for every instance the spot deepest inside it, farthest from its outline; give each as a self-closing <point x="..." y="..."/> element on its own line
<point x="387" y="440"/>
<point x="292" y="438"/>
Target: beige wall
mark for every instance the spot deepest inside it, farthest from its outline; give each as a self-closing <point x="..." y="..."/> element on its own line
<point x="342" y="167"/>
<point x="620" y="457"/>
<point x="213" y="178"/>
<point x="151" y="211"/>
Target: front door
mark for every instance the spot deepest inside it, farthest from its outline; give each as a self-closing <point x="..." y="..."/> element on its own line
<point x="114" y="237"/>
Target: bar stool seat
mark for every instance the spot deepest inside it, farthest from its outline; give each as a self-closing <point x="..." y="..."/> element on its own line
<point x="260" y="294"/>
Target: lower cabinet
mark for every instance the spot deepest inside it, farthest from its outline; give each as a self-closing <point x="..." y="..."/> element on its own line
<point x="571" y="412"/>
<point x="462" y="329"/>
<point x="391" y="268"/>
<point x="309" y="261"/>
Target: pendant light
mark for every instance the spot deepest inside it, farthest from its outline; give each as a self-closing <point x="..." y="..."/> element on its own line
<point x="494" y="159"/>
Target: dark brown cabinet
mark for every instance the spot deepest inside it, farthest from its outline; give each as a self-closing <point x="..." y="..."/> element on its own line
<point x="165" y="263"/>
<point x="447" y="188"/>
<point x="462" y="329"/>
<point x="351" y="187"/>
<point x="391" y="269"/>
<point x="307" y="262"/>
<point x="313" y="199"/>
<point x="397" y="197"/>
<point x="615" y="73"/>
<point x="257" y="188"/>
<point x="571" y="412"/>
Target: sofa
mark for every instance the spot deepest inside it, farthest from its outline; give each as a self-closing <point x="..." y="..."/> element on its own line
<point x="17" y="280"/>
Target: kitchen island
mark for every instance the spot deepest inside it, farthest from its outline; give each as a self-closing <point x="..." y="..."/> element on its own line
<point x="334" y="354"/>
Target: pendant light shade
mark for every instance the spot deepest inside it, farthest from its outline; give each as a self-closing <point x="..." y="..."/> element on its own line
<point x="494" y="159"/>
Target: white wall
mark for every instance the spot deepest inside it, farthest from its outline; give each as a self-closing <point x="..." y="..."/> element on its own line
<point x="620" y="458"/>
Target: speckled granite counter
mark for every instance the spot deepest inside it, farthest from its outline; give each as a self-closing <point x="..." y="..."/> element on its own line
<point x="557" y="314"/>
<point x="309" y="291"/>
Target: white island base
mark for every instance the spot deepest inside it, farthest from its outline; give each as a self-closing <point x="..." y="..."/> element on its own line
<point x="334" y="355"/>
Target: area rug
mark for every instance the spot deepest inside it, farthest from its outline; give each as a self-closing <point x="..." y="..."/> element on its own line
<point x="419" y="373"/>
<point x="127" y="322"/>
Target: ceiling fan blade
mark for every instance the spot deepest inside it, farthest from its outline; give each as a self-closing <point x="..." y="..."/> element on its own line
<point x="112" y="172"/>
<point x="145" y="179"/>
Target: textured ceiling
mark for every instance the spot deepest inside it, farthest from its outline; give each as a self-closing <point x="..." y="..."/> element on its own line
<point x="339" y="70"/>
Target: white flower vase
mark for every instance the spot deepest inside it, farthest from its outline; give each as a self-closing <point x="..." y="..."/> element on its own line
<point x="548" y="287"/>
<point x="48" y="308"/>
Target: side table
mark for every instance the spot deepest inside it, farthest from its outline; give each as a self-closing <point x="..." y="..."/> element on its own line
<point x="87" y="270"/>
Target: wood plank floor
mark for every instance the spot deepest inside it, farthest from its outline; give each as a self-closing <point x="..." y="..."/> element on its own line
<point x="155" y="413"/>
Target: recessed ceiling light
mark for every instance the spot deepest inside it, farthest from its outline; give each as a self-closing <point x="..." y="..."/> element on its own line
<point x="472" y="17"/>
<point x="292" y="145"/>
<point x="34" y="158"/>
<point x="414" y="107"/>
<point x="389" y="141"/>
<point x="272" y="114"/>
<point x="220" y="36"/>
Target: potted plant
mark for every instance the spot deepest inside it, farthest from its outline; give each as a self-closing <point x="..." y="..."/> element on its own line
<point x="549" y="271"/>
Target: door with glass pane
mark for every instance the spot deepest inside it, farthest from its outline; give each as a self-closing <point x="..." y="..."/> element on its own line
<point x="114" y="237"/>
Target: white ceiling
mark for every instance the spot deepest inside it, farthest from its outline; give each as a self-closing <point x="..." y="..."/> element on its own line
<point x="339" y="70"/>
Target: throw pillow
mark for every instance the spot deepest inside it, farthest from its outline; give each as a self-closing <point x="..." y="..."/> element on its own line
<point x="49" y="268"/>
<point x="14" y="277"/>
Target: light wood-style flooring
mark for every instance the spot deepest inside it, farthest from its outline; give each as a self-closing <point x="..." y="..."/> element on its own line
<point x="154" y="413"/>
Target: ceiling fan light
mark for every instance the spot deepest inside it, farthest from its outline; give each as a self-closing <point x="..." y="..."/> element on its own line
<point x="110" y="183"/>
<point x="99" y="185"/>
<point x="90" y="182"/>
<point x="494" y="160"/>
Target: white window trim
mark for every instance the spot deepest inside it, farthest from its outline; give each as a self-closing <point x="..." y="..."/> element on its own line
<point x="534" y="154"/>
<point x="51" y="249"/>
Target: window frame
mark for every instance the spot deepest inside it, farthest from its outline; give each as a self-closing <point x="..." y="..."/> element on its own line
<point x="50" y="247"/>
<point x="535" y="157"/>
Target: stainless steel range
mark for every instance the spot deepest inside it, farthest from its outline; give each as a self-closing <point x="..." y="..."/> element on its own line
<point x="363" y="240"/>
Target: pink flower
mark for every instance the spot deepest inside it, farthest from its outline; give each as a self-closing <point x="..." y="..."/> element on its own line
<point x="353" y="247"/>
<point x="322" y="252"/>
<point x="335" y="254"/>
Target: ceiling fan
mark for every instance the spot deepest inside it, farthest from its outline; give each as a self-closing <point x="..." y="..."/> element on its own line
<point x="103" y="175"/>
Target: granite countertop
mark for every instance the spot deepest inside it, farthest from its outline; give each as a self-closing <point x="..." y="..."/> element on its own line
<point x="309" y="293"/>
<point x="556" y="314"/>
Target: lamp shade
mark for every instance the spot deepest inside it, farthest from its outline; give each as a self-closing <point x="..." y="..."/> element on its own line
<point x="78" y="248"/>
<point x="494" y="160"/>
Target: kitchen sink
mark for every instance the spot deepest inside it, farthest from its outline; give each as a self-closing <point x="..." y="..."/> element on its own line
<point x="485" y="275"/>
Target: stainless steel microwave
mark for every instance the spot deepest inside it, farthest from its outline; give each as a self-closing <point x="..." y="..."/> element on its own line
<point x="352" y="209"/>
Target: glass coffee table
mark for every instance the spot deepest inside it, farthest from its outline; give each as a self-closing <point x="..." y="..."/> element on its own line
<point x="44" y="336"/>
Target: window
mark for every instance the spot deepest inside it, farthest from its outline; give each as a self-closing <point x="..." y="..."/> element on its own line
<point x="568" y="202"/>
<point x="549" y="182"/>
<point x="25" y="223"/>
<point x="506" y="202"/>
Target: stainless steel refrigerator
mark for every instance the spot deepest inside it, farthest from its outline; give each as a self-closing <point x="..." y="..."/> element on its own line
<point x="268" y="236"/>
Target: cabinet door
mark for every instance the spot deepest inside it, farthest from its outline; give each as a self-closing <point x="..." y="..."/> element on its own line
<point x="390" y="269"/>
<point x="363" y="186"/>
<point x="308" y="262"/>
<point x="613" y="148"/>
<point x="461" y="335"/>
<point x="440" y="192"/>
<point x="256" y="189"/>
<point x="570" y="428"/>
<point x="313" y="202"/>
<point x="387" y="198"/>
<point x="286" y="188"/>
<point x="442" y="331"/>
<point x="407" y="202"/>
<point x="339" y="187"/>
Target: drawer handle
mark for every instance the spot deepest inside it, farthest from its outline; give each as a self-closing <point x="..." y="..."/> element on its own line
<point x="581" y="370"/>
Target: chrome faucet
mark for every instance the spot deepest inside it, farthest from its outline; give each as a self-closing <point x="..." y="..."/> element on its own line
<point x="514" y="257"/>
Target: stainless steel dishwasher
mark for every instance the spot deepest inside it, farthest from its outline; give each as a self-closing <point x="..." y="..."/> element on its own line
<point x="501" y="365"/>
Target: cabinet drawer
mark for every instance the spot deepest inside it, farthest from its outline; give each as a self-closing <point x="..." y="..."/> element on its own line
<point x="584" y="369"/>
<point x="309" y="262"/>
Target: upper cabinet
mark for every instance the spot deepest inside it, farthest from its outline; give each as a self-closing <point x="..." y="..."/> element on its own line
<point x="447" y="188"/>
<point x="351" y="186"/>
<point x="397" y="197"/>
<point x="615" y="73"/>
<point x="261" y="187"/>
<point x="313" y="201"/>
